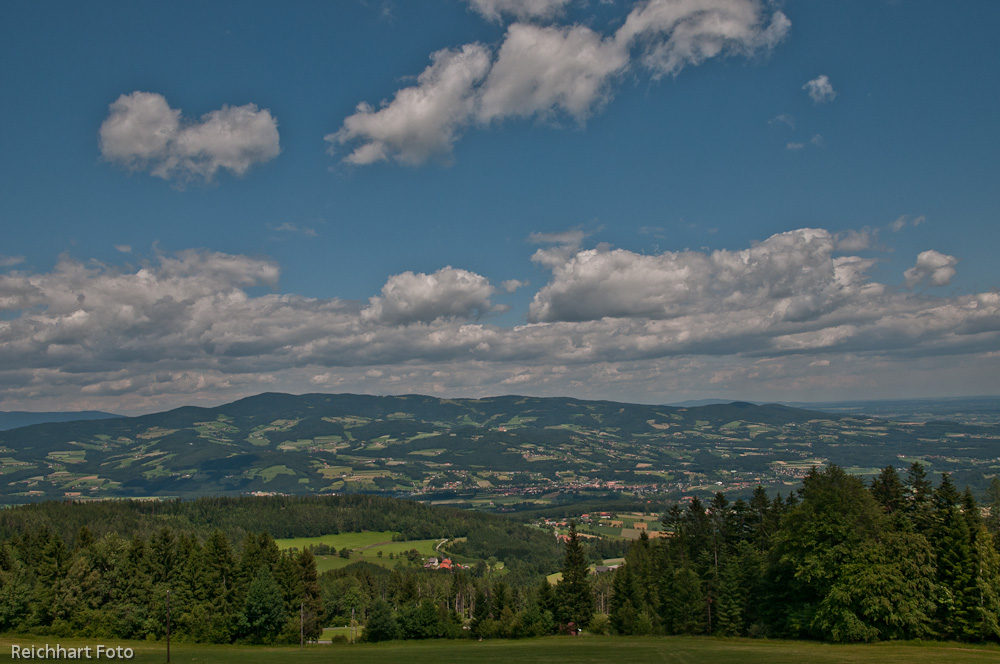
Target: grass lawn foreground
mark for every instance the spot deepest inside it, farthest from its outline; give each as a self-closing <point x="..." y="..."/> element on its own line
<point x="582" y="649"/>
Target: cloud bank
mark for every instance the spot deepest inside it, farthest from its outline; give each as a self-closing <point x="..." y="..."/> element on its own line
<point x="609" y="321"/>
<point x="142" y="133"/>
<point x="548" y="72"/>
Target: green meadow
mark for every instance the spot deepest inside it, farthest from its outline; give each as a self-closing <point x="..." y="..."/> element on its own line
<point x="364" y="546"/>
<point x="583" y="649"/>
<point x="350" y="540"/>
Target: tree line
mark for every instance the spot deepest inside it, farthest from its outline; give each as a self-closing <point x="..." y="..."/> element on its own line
<point x="837" y="560"/>
<point x="121" y="587"/>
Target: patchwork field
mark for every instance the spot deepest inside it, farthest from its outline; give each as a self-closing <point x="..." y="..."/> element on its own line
<point x="439" y="449"/>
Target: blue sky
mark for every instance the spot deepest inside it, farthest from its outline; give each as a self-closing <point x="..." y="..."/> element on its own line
<point x="645" y="201"/>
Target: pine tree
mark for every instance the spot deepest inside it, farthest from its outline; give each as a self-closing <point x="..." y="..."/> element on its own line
<point x="687" y="604"/>
<point x="956" y="567"/>
<point x="993" y="519"/>
<point x="312" y="602"/>
<point x="575" y="602"/>
<point x="888" y="491"/>
<point x="623" y="612"/>
<point x="919" y="507"/>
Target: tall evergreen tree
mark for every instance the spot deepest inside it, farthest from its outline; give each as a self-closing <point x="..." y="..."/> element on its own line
<point x="956" y="566"/>
<point x="624" y="612"/>
<point x="888" y="491"/>
<point x="919" y="507"/>
<point x="575" y="602"/>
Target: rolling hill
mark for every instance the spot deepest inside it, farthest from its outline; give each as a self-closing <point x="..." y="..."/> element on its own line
<point x="505" y="449"/>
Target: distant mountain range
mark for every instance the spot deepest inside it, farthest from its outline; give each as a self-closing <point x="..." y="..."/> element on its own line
<point x="497" y="450"/>
<point x="22" y="418"/>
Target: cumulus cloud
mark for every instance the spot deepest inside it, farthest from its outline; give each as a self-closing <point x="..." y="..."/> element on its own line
<point x="609" y="321"/>
<point x="422" y="120"/>
<point x="548" y="72"/>
<point x="540" y="71"/>
<point x="143" y="133"/>
<point x="521" y="9"/>
<point x="935" y="268"/>
<point x="789" y="276"/>
<point x="411" y="297"/>
<point x="820" y="89"/>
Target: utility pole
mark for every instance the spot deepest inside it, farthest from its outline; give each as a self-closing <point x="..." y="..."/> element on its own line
<point x="168" y="626"/>
<point x="302" y="627"/>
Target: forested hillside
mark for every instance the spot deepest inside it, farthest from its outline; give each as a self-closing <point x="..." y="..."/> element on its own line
<point x="505" y="452"/>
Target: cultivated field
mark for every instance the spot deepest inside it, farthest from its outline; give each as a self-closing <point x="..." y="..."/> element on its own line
<point x="583" y="649"/>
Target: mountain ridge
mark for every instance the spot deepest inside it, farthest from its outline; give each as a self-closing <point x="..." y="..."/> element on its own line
<point x="501" y="448"/>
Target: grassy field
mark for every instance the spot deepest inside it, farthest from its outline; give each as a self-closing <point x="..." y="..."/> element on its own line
<point x="364" y="546"/>
<point x="583" y="650"/>
<point x="339" y="541"/>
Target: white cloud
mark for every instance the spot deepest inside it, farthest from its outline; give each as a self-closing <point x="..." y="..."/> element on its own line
<point x="934" y="267"/>
<point x="678" y="33"/>
<point x="791" y="275"/>
<point x="542" y="70"/>
<point x="511" y="285"/>
<point x="521" y="9"/>
<point x="142" y="132"/>
<point x="10" y="261"/>
<point x="545" y="72"/>
<point x="422" y="120"/>
<point x="566" y="244"/>
<point x="411" y="297"/>
<point x="820" y="89"/>
<point x="795" y="146"/>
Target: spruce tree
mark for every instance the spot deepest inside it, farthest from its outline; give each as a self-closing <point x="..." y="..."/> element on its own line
<point x="575" y="602"/>
<point x="956" y="568"/>
<point x="888" y="490"/>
